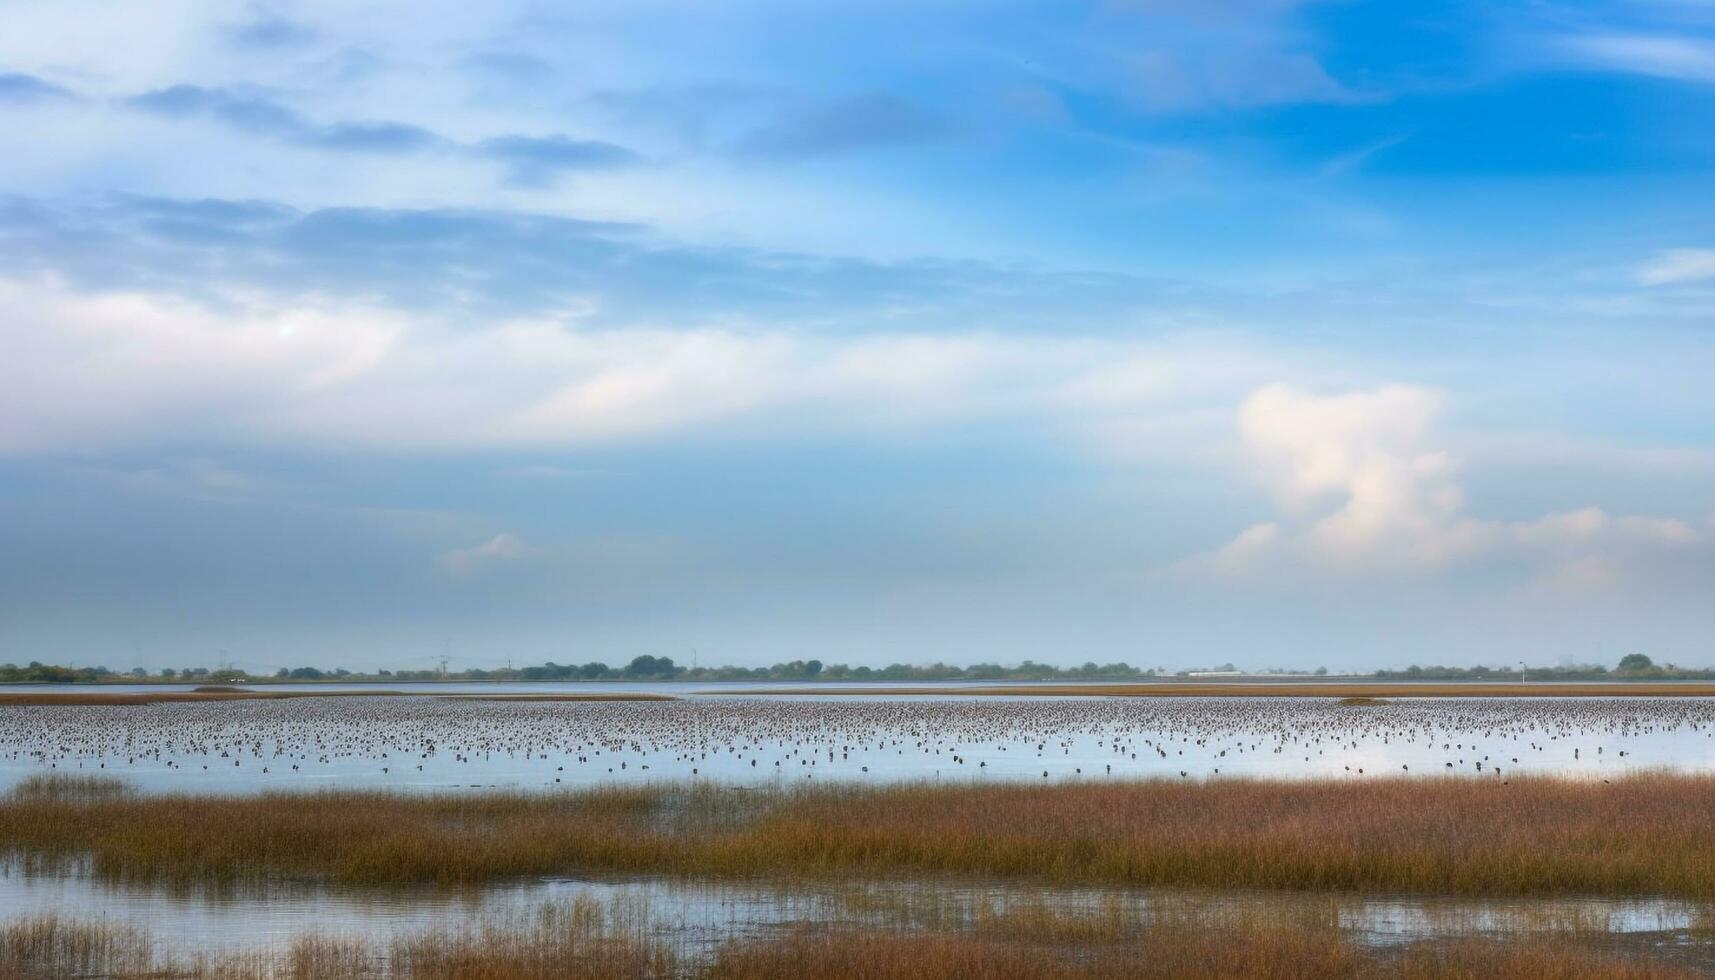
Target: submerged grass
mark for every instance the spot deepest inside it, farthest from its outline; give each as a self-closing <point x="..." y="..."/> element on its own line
<point x="1253" y="953"/>
<point x="589" y="939"/>
<point x="1645" y="834"/>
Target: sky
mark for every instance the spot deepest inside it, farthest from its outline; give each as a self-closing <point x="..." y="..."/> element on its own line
<point x="1290" y="334"/>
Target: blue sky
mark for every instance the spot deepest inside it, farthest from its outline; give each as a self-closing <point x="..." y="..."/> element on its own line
<point x="1295" y="334"/>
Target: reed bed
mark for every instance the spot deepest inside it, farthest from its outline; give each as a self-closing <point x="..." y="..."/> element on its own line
<point x="575" y="939"/>
<point x="1261" y="953"/>
<point x="587" y="939"/>
<point x="1639" y="835"/>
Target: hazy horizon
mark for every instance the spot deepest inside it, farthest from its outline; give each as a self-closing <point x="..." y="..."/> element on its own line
<point x="1281" y="333"/>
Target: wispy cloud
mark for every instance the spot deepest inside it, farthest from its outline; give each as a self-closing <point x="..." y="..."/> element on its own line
<point x="1678" y="265"/>
<point x="539" y="160"/>
<point x="256" y="113"/>
<point x="491" y="263"/>
<point x="1674" y="56"/>
<point x="268" y="31"/>
<point x="503" y="547"/>
<point x="530" y="160"/>
<point x="1233" y="78"/>
<point x="863" y="122"/>
<point x="18" y="88"/>
<point x="356" y="374"/>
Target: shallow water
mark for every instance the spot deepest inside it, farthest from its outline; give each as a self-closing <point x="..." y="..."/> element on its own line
<point x="427" y="744"/>
<point x="699" y="916"/>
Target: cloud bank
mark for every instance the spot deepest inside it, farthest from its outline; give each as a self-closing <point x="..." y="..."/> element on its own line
<point x="1364" y="491"/>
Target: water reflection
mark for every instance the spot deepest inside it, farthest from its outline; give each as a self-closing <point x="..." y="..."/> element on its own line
<point x="699" y="916"/>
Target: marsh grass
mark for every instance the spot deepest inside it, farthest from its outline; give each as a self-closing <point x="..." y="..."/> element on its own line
<point x="50" y="946"/>
<point x="59" y="787"/>
<point x="1258" y="952"/>
<point x="590" y="939"/>
<point x="1640" y="835"/>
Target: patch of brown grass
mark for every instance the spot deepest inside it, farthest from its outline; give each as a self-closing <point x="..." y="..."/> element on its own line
<point x="1644" y="834"/>
<point x="49" y="946"/>
<point x="1246" y="953"/>
<point x="582" y="938"/>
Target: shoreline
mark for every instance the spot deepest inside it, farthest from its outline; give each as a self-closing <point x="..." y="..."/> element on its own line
<point x="1265" y="689"/>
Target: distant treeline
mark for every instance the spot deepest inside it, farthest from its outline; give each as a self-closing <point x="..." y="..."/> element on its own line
<point x="49" y="674"/>
<point x="664" y="669"/>
<point x="1633" y="666"/>
<point x="650" y="668"/>
<point x="647" y="668"/>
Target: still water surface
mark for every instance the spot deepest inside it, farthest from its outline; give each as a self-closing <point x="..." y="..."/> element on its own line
<point x="424" y="743"/>
<point x="699" y="916"/>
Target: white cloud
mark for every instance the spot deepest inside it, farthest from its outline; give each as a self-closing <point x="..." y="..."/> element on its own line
<point x="97" y="371"/>
<point x="1177" y="81"/>
<point x="1579" y="575"/>
<point x="1243" y="555"/>
<point x="1660" y="55"/>
<point x="1371" y="494"/>
<point x="505" y="546"/>
<point x="1398" y="500"/>
<point x="1678" y="265"/>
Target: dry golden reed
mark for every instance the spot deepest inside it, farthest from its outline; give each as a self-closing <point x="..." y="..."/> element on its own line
<point x="1639" y="835"/>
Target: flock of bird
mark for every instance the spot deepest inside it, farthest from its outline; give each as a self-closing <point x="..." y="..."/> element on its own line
<point x="438" y="743"/>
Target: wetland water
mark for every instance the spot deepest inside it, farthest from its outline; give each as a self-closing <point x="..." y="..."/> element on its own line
<point x="426" y="744"/>
<point x="697" y="917"/>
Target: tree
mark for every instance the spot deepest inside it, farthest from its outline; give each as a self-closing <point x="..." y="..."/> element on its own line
<point x="1636" y="663"/>
<point x="648" y="666"/>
